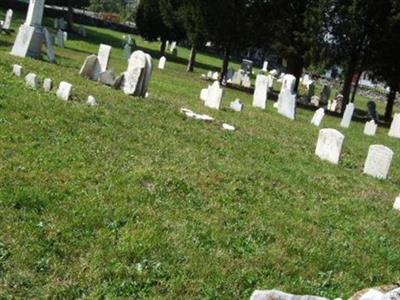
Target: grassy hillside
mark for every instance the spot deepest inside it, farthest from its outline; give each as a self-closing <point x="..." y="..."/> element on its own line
<point x="131" y="200"/>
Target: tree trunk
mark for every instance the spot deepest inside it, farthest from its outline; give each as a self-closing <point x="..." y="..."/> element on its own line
<point x="353" y="96"/>
<point x="70" y="16"/>
<point x="163" y="46"/>
<point x="295" y="67"/>
<point x="390" y="103"/>
<point x="225" y="64"/>
<point x="192" y="59"/>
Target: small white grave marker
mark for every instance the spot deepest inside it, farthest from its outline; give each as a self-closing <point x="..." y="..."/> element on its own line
<point x="47" y="85"/>
<point x="31" y="81"/>
<point x="64" y="91"/>
<point x="318" y="117"/>
<point x="396" y="205"/>
<point x="161" y="63"/>
<point x="17" y="70"/>
<point x="236" y="105"/>
<point x="370" y="128"/>
<point x="91" y="101"/>
<point x="329" y="146"/>
<point x="378" y="161"/>
<point x="214" y="96"/>
<point x="395" y="127"/>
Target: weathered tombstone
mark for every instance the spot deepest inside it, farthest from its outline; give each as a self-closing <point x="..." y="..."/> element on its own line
<point x="91" y="101"/>
<point x="8" y="20"/>
<point x="104" y="56"/>
<point x="237" y="78"/>
<point x="370" y="128"/>
<point x="287" y="97"/>
<point x="215" y="76"/>
<point x="318" y="117"/>
<point x="162" y="62"/>
<point x="17" y="70"/>
<point x="372" y="113"/>
<point x="64" y="91"/>
<point x="278" y="295"/>
<point x="325" y="95"/>
<point x="387" y="292"/>
<point x="396" y="204"/>
<point x="60" y="39"/>
<point x="31" y="81"/>
<point x="29" y="40"/>
<point x="173" y="46"/>
<point x="214" y="96"/>
<point x="395" y="127"/>
<point x="260" y="92"/>
<point x="315" y="101"/>
<point x="47" y="85"/>
<point x="236" y="105"/>
<point x="49" y="45"/>
<point x="378" y="162"/>
<point x="107" y="77"/>
<point x="348" y="115"/>
<point x="329" y="146"/>
<point x="265" y="66"/>
<point x="270" y="81"/>
<point x="246" y="81"/>
<point x="90" y="68"/>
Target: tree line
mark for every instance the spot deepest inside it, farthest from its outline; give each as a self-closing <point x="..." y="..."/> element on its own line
<point x="358" y="35"/>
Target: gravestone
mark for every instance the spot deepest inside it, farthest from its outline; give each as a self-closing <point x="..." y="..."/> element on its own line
<point x="378" y="162"/>
<point x="47" y="85"/>
<point x="108" y="77"/>
<point x="31" y="81"/>
<point x="17" y="70"/>
<point x="64" y="91"/>
<point x="287" y="97"/>
<point x="30" y="37"/>
<point x="247" y="66"/>
<point x="325" y="95"/>
<point x="265" y="66"/>
<point x="260" y="92"/>
<point x="90" y="68"/>
<point x="62" y="24"/>
<point x="236" y="105"/>
<point x="315" y="101"/>
<point x="204" y="94"/>
<point x="396" y="204"/>
<point x="310" y="91"/>
<point x="8" y="20"/>
<point x="348" y="115"/>
<point x="395" y="127"/>
<point x="173" y="46"/>
<point x="161" y="63"/>
<point x="59" y="41"/>
<point x="329" y="146"/>
<point x="237" y="78"/>
<point x="91" y="101"/>
<point x="318" y="117"/>
<point x="215" y="76"/>
<point x="127" y="51"/>
<point x="214" y="96"/>
<point x="55" y="23"/>
<point x="372" y="113"/>
<point x="278" y="295"/>
<point x="370" y="128"/>
<point x="229" y="75"/>
<point x="104" y="56"/>
<point x="270" y="81"/>
<point x="246" y="82"/>
<point x="49" y="45"/>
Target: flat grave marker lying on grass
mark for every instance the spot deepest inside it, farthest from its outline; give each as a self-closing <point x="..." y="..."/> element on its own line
<point x="378" y="162"/>
<point x="260" y="92"/>
<point x="370" y="128"/>
<point x="278" y="295"/>
<point x="31" y="81"/>
<point x="348" y="115"/>
<point x="318" y="117"/>
<point x="395" y="127"/>
<point x="329" y="146"/>
<point x="64" y="91"/>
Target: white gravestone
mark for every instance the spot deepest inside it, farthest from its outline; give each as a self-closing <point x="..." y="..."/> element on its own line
<point x="287" y="97"/>
<point x="246" y="81"/>
<point x="318" y="117"/>
<point x="162" y="62"/>
<point x="396" y="204"/>
<point x="8" y="20"/>
<point x="395" y="127"/>
<point x="91" y="101"/>
<point x="17" y="70"/>
<point x="329" y="146"/>
<point x="64" y="91"/>
<point x="260" y="92"/>
<point x="47" y="85"/>
<point x="215" y="76"/>
<point x="31" y="81"/>
<point x="265" y="66"/>
<point x="370" y="128"/>
<point x="236" y="105"/>
<point x="214" y="96"/>
<point x="104" y="56"/>
<point x="278" y="295"/>
<point x="49" y="45"/>
<point x="378" y="161"/>
<point x="30" y="37"/>
<point x="348" y="115"/>
<point x="90" y="68"/>
<point x="270" y="81"/>
<point x="204" y="94"/>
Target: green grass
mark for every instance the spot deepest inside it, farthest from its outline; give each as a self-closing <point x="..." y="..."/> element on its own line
<point x="131" y="200"/>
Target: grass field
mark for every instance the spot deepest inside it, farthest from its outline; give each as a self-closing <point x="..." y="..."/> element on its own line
<point x="131" y="200"/>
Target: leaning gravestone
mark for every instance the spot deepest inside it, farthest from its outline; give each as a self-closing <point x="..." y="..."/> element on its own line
<point x="49" y="45"/>
<point x="329" y="146"/>
<point x="8" y="20"/>
<point x="17" y="70"/>
<point x="104" y="56"/>
<point x="287" y="97"/>
<point x="318" y="117"/>
<point x="260" y="92"/>
<point x="161" y="63"/>
<point x="90" y="68"/>
<point x="64" y="91"/>
<point x="214" y="96"/>
<point x="108" y="77"/>
<point x="31" y="81"/>
<point x="395" y="127"/>
<point x="236" y="105"/>
<point x="348" y="115"/>
<point x="47" y="85"/>
<point x="378" y="161"/>
<point x="370" y="128"/>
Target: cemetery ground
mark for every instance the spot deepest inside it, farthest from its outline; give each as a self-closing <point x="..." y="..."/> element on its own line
<point x="130" y="199"/>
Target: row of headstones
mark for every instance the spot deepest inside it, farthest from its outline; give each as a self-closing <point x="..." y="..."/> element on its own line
<point x="61" y="24"/>
<point x="64" y="91"/>
<point x="6" y="24"/>
<point x="134" y="81"/>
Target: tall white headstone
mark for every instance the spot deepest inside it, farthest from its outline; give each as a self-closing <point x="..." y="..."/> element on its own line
<point x="104" y="56"/>
<point x="214" y="96"/>
<point x="287" y="97"/>
<point x="260" y="92"/>
<point x="378" y="161"/>
<point x="348" y="115"/>
<point x="31" y="81"/>
<point x="265" y="66"/>
<point x="8" y="20"/>
<point x="370" y="128"/>
<point x="318" y="117"/>
<point x="395" y="127"/>
<point x="329" y="146"/>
